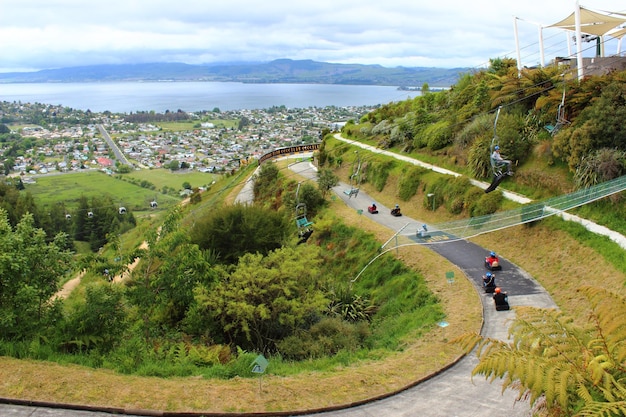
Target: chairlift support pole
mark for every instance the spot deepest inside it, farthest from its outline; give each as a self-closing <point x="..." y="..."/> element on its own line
<point x="382" y="252"/>
<point x="495" y="122"/>
<point x="579" y="41"/>
<point x="395" y="236"/>
<point x="519" y="58"/>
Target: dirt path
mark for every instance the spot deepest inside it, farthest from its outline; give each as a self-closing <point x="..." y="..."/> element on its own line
<point x="70" y="285"/>
<point x="131" y="266"/>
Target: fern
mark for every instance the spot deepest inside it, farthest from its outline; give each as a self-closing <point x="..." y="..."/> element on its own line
<point x="558" y="365"/>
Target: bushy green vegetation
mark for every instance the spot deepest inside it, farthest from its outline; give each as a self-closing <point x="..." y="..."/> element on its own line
<point x="216" y="285"/>
<point x="457" y="128"/>
<point x="198" y="305"/>
<point x="409" y="182"/>
<point x="457" y="125"/>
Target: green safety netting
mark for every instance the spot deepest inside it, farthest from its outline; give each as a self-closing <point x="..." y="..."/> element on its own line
<point x="473" y="226"/>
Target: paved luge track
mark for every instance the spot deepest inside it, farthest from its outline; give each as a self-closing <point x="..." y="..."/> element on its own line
<point x="452" y="392"/>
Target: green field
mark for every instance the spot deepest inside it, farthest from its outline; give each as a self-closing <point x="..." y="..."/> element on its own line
<point x="193" y="124"/>
<point x="172" y="179"/>
<point x="68" y="188"/>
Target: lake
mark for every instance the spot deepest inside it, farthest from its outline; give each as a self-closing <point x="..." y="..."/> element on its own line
<point x="127" y="97"/>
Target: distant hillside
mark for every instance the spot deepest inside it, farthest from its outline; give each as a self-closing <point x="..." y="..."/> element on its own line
<point x="278" y="71"/>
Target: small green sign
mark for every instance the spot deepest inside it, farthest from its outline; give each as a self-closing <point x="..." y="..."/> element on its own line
<point x="259" y="364"/>
<point x="450" y="277"/>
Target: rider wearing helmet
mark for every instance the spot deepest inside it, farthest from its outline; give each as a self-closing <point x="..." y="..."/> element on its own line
<point x="492" y="262"/>
<point x="499" y="161"/>
<point x="489" y="282"/>
<point x="500" y="299"/>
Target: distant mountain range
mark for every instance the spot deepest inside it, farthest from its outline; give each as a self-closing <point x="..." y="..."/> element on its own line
<point x="277" y="71"/>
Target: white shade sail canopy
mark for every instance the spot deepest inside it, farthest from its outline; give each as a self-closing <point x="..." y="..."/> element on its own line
<point x="617" y="33"/>
<point x="592" y="23"/>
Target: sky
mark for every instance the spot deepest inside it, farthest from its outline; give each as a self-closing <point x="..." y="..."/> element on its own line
<point x="43" y="34"/>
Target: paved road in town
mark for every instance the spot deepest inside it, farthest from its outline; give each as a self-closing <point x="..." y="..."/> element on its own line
<point x="451" y="393"/>
<point x="119" y="155"/>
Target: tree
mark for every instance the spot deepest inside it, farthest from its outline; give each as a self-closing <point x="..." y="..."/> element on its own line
<point x="244" y="122"/>
<point x="326" y="180"/>
<point x="30" y="269"/>
<point x="266" y="182"/>
<point x="236" y="230"/>
<point x="195" y="197"/>
<point x="562" y="367"/>
<point x="99" y="321"/>
<point x="162" y="286"/>
<point x="266" y="298"/>
<point x="124" y="169"/>
<point x="173" y="165"/>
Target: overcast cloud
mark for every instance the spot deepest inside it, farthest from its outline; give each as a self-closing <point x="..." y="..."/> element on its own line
<point x="38" y="34"/>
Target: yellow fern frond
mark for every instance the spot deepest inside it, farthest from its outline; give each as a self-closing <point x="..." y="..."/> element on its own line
<point x="468" y="341"/>
<point x="599" y="409"/>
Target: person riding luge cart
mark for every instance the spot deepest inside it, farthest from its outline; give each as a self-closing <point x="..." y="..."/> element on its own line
<point x="489" y="282"/>
<point x="396" y="211"/>
<point x="492" y="262"/>
<point x="501" y="299"/>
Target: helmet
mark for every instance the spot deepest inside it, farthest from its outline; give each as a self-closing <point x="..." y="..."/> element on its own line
<point x="397" y="206"/>
<point x="498" y="290"/>
<point x="492" y="254"/>
<point x="497" y="148"/>
<point x="488" y="274"/>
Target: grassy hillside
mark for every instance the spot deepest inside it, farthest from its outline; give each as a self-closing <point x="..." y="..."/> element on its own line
<point x="554" y="261"/>
<point x="452" y="129"/>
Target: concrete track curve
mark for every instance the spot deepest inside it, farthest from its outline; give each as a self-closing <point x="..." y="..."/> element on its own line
<point x="451" y="392"/>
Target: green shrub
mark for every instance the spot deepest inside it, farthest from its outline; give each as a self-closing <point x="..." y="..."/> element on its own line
<point x="487" y="204"/>
<point x="454" y="193"/>
<point x="438" y="135"/>
<point x="326" y="338"/>
<point x="409" y="182"/>
<point x="378" y="173"/>
<point x="449" y="191"/>
<point x="478" y="157"/>
<point x="472" y="196"/>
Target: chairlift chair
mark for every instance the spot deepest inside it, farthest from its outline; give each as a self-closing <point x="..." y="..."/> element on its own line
<point x="153" y="204"/>
<point x="496" y="167"/>
<point x="355" y="178"/>
<point x="301" y="220"/>
<point x="304" y="225"/>
<point x="122" y="210"/>
<point x="560" y="117"/>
